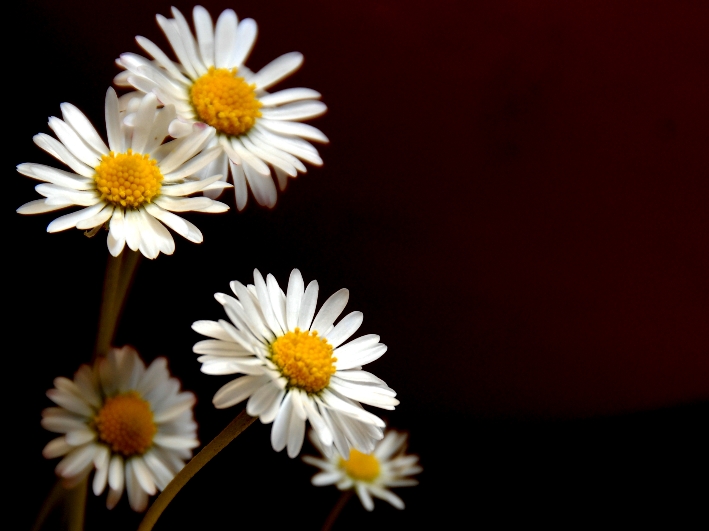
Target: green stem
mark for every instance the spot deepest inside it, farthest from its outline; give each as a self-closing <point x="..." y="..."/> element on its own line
<point x="107" y="319"/>
<point x="53" y="499"/>
<point x="77" y="506"/>
<point x="228" y="434"/>
<point x="346" y="495"/>
<point x="120" y="272"/>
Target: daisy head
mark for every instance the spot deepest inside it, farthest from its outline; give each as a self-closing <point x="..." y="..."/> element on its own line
<point x="129" y="423"/>
<point x="371" y="474"/>
<point x="133" y="185"/>
<point x="296" y="365"/>
<point x="257" y="132"/>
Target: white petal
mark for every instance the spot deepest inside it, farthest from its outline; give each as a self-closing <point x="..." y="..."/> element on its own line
<point x="39" y="206"/>
<point x="170" y="28"/>
<point x="387" y="495"/>
<point x="116" y="138"/>
<point x="225" y="38"/>
<point x="74" y="142"/>
<point x="211" y="329"/>
<point x="296" y="435"/>
<point x="55" y="176"/>
<point x="143" y="475"/>
<point x="279" y="432"/>
<point x="277" y="69"/>
<point x="163" y="60"/>
<point x="294" y="128"/>
<point x="364" y="496"/>
<point x="186" y="147"/>
<point x="205" y="34"/>
<point x="195" y="164"/>
<point x="350" y="358"/>
<point x="288" y="95"/>
<point x="76" y="461"/>
<point x="263" y="188"/>
<point x="80" y="436"/>
<point x="189" y="187"/>
<point x="70" y="402"/>
<point x="58" y="150"/>
<point x="299" y="110"/>
<point x="344" y="329"/>
<point x="245" y="38"/>
<point x="116" y="477"/>
<point x="81" y="124"/>
<point x="116" y="234"/>
<point x="293" y="299"/>
<point x="248" y="157"/>
<point x="56" y="448"/>
<point x="330" y="311"/>
<point x="188" y="42"/>
<point x="99" y="219"/>
<point x="137" y="497"/>
<point x="237" y="391"/>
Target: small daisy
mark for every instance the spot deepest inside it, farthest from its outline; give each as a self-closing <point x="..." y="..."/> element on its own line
<point x="255" y="130"/>
<point x="133" y="185"/>
<point x="369" y="474"/>
<point x="296" y="367"/>
<point x="132" y="424"/>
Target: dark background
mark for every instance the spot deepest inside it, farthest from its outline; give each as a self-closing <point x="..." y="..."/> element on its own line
<point x="516" y="195"/>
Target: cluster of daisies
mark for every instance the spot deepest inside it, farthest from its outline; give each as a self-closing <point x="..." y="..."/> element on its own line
<point x="185" y="131"/>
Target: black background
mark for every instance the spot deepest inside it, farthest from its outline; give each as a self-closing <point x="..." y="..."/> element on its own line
<point x="516" y="194"/>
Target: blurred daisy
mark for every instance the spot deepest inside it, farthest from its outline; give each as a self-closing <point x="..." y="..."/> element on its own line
<point x="132" y="185"/>
<point x="255" y="130"/>
<point x="369" y="474"/>
<point x="131" y="424"/>
<point x="297" y="364"/>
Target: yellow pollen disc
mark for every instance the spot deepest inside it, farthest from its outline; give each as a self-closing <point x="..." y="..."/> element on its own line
<point x="225" y="101"/>
<point x="360" y="466"/>
<point x="128" y="179"/>
<point x="125" y="423"/>
<point x="305" y="359"/>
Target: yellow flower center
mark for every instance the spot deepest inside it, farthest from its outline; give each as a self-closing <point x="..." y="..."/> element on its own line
<point x="128" y="179"/>
<point x="125" y="423"/>
<point x="305" y="359"/>
<point x="225" y="101"/>
<point x="360" y="466"/>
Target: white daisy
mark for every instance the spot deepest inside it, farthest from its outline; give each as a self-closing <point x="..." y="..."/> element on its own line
<point x="297" y="368"/>
<point x="255" y="130"/>
<point x="131" y="424"/>
<point x="369" y="474"/>
<point x="132" y="185"/>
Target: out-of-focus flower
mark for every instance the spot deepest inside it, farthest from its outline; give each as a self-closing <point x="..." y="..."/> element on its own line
<point x="255" y="130"/>
<point x="369" y="474"/>
<point x="131" y="424"/>
<point x="297" y="367"/>
<point x="134" y="184"/>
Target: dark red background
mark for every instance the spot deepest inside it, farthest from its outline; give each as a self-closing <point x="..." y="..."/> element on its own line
<point x="516" y="194"/>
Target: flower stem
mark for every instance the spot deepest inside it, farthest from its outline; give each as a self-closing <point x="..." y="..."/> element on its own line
<point x="346" y="495"/>
<point x="120" y="271"/>
<point x="228" y="434"/>
<point x="53" y="499"/>
<point x="77" y="506"/>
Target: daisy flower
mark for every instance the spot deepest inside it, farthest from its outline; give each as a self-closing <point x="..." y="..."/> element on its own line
<point x="369" y="474"/>
<point x="256" y="131"/>
<point x="131" y="424"/>
<point x="296" y="364"/>
<point x="134" y="184"/>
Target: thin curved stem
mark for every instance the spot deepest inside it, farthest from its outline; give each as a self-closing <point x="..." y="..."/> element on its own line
<point x="228" y="434"/>
<point x="346" y="495"/>
<point x="53" y="498"/>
